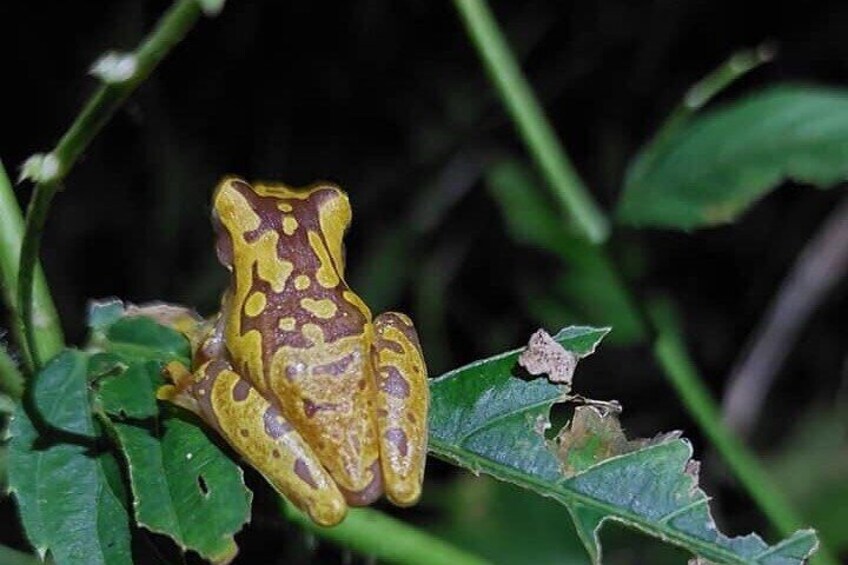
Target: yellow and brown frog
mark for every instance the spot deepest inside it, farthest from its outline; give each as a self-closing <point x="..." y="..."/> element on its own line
<point x="328" y="403"/>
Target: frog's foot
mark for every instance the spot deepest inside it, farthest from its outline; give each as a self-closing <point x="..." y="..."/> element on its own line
<point x="261" y="434"/>
<point x="402" y="404"/>
<point x="178" y="392"/>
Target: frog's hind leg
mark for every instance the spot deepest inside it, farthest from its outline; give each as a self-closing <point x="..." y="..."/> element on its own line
<point x="402" y="403"/>
<point x="258" y="431"/>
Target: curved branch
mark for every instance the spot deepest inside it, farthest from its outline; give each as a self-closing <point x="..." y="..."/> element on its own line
<point x="121" y="75"/>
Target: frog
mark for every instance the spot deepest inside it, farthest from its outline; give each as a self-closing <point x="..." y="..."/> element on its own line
<point x="326" y="401"/>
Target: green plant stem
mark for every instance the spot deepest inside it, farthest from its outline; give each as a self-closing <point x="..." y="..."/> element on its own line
<point x="46" y="326"/>
<point x="536" y="131"/>
<point x="171" y="28"/>
<point x="377" y="535"/>
<point x="11" y="379"/>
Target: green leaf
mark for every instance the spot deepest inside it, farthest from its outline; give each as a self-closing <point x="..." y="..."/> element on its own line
<point x="183" y="485"/>
<point x="132" y="393"/>
<point x="104" y="313"/>
<point x="67" y="506"/>
<point x="488" y="420"/>
<point x="711" y="168"/>
<point x="140" y="339"/>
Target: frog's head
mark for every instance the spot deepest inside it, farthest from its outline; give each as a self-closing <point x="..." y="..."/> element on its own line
<point x="242" y="211"/>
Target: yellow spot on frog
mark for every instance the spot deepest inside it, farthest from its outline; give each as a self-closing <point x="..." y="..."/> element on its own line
<point x="322" y="308"/>
<point x="255" y="304"/>
<point x="284" y="207"/>
<point x="302" y="282"/>
<point x="287" y="324"/>
<point x="326" y="274"/>
<point x="289" y="225"/>
<point x="313" y="333"/>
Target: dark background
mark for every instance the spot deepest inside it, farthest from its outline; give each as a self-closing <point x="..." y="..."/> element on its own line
<point x="389" y="100"/>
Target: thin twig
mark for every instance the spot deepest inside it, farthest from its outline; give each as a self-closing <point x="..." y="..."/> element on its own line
<point x="529" y="117"/>
<point x="121" y="75"/>
<point x="821" y="265"/>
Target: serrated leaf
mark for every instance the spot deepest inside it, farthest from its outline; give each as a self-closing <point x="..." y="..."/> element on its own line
<point x="183" y="485"/>
<point x="488" y="420"/>
<point x="67" y="506"/>
<point x="712" y="168"/>
<point x="104" y="313"/>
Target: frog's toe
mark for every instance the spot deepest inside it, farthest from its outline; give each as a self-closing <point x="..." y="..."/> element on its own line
<point x="404" y="493"/>
<point x="327" y="511"/>
<point x="372" y="491"/>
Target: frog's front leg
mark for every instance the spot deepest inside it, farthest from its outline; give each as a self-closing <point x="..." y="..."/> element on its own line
<point x="402" y="402"/>
<point x="255" y="428"/>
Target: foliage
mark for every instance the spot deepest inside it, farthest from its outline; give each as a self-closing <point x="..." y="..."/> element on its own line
<point x="92" y="456"/>
<point x="182" y="484"/>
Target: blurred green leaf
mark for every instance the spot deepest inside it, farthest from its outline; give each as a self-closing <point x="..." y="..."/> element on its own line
<point x="507" y="525"/>
<point x="66" y="504"/>
<point x="488" y="420"/>
<point x="589" y="290"/>
<point x="712" y="168"/>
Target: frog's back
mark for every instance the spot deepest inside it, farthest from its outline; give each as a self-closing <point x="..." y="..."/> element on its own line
<point x="295" y="329"/>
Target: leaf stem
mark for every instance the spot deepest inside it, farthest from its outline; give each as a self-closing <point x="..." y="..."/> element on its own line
<point x="536" y="131"/>
<point x="49" y="171"/>
<point x="46" y="326"/>
<point x="378" y="535"/>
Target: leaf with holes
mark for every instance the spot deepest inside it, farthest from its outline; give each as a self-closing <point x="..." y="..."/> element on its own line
<point x="59" y="474"/>
<point x="183" y="485"/>
<point x="489" y="420"/>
